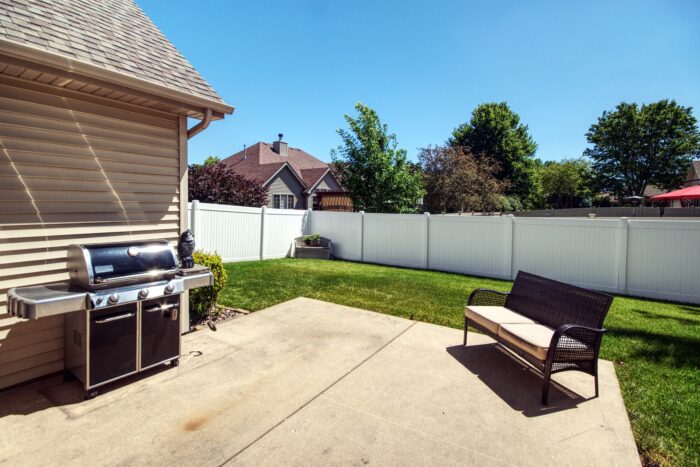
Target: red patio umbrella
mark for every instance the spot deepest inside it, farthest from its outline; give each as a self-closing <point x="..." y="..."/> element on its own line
<point x="691" y="192"/>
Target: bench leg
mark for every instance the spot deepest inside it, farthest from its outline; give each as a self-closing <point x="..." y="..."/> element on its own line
<point x="466" y="323"/>
<point x="545" y="384"/>
<point x="595" y="375"/>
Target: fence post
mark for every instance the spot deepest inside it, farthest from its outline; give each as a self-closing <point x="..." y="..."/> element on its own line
<point x="622" y="234"/>
<point x="362" y="236"/>
<point x="194" y="218"/>
<point x="307" y="225"/>
<point x="510" y="239"/>
<point x="427" y="239"/>
<point x="263" y="210"/>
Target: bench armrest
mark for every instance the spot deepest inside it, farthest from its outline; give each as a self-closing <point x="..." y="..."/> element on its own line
<point x="575" y="342"/>
<point x="487" y="297"/>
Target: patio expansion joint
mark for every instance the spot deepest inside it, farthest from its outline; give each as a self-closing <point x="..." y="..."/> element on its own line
<point x="322" y="392"/>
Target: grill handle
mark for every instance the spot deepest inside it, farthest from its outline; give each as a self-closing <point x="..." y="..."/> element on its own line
<point x="155" y="308"/>
<point x="114" y="318"/>
<point x="130" y="277"/>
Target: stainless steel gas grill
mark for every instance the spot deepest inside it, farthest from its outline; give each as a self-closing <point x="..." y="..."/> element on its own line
<point x="122" y="308"/>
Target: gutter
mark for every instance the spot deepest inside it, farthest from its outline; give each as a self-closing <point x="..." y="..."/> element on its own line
<point x="201" y="126"/>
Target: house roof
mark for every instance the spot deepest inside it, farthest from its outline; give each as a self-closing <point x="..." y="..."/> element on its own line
<point x="259" y="162"/>
<point x="115" y="35"/>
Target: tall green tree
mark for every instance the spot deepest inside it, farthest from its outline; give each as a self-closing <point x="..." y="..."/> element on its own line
<point x="634" y="146"/>
<point x="496" y="132"/>
<point x="211" y="160"/>
<point x="372" y="168"/>
<point x="566" y="184"/>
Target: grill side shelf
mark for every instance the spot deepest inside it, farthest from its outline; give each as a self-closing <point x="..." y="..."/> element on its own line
<point x="38" y="301"/>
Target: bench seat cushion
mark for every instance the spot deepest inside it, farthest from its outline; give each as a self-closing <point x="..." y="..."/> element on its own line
<point x="531" y="338"/>
<point x="491" y="317"/>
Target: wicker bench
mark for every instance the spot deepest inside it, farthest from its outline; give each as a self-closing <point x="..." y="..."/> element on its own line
<point x="553" y="326"/>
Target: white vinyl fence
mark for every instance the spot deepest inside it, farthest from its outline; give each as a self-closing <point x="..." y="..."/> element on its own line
<point x="647" y="258"/>
<point x="244" y="234"/>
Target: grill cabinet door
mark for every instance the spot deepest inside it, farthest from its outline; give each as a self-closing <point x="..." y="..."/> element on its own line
<point x="112" y="343"/>
<point x="160" y="331"/>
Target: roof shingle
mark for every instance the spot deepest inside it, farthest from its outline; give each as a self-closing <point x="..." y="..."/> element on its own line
<point x="112" y="34"/>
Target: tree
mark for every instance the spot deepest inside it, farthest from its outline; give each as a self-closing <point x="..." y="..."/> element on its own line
<point x="377" y="175"/>
<point x="456" y="180"/>
<point x="219" y="184"/>
<point x="211" y="160"/>
<point x="634" y="147"/>
<point x="566" y="184"/>
<point x="495" y="131"/>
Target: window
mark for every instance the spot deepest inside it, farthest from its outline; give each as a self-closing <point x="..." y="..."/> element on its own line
<point x="283" y="201"/>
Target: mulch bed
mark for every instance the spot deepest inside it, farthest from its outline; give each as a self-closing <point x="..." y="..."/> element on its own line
<point x="218" y="315"/>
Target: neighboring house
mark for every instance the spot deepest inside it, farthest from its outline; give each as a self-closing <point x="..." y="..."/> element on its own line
<point x="94" y="103"/>
<point x="295" y="179"/>
<point x="693" y="177"/>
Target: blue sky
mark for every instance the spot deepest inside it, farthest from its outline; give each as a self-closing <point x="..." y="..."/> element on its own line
<point x="297" y="67"/>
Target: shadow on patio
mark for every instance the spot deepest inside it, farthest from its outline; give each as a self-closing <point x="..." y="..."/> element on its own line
<point x="513" y="381"/>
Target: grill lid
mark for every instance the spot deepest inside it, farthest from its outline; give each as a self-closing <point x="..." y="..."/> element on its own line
<point x="99" y="265"/>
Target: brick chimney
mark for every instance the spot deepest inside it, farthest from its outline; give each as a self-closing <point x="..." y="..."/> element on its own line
<point x="280" y="147"/>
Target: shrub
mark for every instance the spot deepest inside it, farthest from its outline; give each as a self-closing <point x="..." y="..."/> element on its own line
<point x="506" y="203"/>
<point x="216" y="183"/>
<point x="201" y="299"/>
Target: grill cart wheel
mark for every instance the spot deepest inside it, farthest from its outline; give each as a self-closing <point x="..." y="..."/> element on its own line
<point x="175" y="362"/>
<point x="91" y="394"/>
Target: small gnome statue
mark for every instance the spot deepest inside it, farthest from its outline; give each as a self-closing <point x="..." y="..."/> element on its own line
<point x="185" y="249"/>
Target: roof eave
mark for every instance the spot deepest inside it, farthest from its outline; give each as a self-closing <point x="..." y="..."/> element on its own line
<point x="291" y="169"/>
<point x="318" y="181"/>
<point x="85" y="70"/>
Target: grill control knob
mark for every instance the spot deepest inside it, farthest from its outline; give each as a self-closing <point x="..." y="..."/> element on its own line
<point x="143" y="293"/>
<point x="114" y="298"/>
<point x="170" y="288"/>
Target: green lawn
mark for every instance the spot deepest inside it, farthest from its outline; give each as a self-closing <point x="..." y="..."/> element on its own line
<point x="655" y="345"/>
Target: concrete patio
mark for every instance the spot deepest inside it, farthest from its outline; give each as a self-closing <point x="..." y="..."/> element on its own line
<point x="313" y="383"/>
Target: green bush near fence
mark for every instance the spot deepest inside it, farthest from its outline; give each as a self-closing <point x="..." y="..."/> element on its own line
<point x="202" y="299"/>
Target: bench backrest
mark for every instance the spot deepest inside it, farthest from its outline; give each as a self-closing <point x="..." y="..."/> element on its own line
<point x="555" y="303"/>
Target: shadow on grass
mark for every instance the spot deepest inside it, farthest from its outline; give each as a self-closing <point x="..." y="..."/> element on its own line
<point x="689" y="308"/>
<point x="655" y="316"/>
<point x="665" y="350"/>
<point x="513" y="381"/>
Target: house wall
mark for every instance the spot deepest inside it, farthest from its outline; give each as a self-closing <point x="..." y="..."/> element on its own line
<point x="75" y="168"/>
<point x="693" y="177"/>
<point x="328" y="183"/>
<point x="285" y="183"/>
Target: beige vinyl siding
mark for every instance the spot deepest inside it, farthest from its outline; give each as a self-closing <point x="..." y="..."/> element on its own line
<point x="74" y="169"/>
<point x="285" y="183"/>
